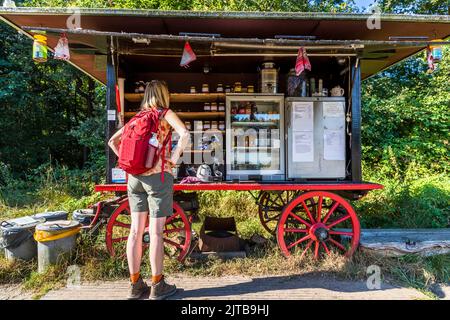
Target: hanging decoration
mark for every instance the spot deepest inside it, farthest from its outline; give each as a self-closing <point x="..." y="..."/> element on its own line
<point x="62" y="48"/>
<point x="436" y="51"/>
<point x="40" y="50"/>
<point x="188" y="55"/>
<point x="430" y="61"/>
<point x="302" y="62"/>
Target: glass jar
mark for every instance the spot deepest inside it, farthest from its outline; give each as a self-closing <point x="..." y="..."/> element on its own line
<point x="205" y="88"/>
<point x="250" y="89"/>
<point x="193" y="90"/>
<point x="214" y="125"/>
<point x="237" y="87"/>
<point x="206" y="125"/>
<point x="219" y="88"/>
<point x="227" y="89"/>
<point x="221" y="106"/>
<point x="213" y="106"/>
<point x="207" y="107"/>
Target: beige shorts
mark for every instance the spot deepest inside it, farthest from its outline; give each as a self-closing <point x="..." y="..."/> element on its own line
<point x="149" y="193"/>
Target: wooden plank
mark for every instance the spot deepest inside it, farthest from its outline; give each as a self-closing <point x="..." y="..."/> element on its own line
<point x="181" y="97"/>
<point x="398" y="242"/>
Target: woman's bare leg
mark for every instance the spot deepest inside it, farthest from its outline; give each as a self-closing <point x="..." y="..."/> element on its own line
<point x="134" y="243"/>
<point x="157" y="245"/>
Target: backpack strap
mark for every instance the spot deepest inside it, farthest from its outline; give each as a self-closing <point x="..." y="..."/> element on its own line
<point x="162" y="112"/>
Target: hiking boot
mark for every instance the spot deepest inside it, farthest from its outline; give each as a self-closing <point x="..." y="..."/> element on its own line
<point x="137" y="289"/>
<point x="162" y="290"/>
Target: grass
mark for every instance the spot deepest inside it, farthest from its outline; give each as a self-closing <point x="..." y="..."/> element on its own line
<point x="411" y="202"/>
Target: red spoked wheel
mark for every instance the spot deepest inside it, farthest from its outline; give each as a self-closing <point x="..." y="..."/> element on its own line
<point x="270" y="206"/>
<point x="318" y="221"/>
<point x="177" y="232"/>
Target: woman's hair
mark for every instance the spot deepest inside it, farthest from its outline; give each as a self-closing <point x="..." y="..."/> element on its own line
<point x="156" y="95"/>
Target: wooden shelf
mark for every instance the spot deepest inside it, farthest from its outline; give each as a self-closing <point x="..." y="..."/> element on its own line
<point x="181" y="97"/>
<point x="190" y="115"/>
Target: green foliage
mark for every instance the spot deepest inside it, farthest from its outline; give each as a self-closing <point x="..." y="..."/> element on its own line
<point x="406" y="119"/>
<point x="204" y="5"/>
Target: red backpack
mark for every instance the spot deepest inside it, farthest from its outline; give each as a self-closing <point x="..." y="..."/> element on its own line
<point x="137" y="154"/>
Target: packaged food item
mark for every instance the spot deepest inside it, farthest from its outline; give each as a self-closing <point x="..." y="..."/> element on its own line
<point x="193" y="90"/>
<point x="214" y="125"/>
<point x="206" y="125"/>
<point x="237" y="87"/>
<point x="227" y="88"/>
<point x="40" y="50"/>
<point x="250" y="89"/>
<point x="221" y="106"/>
<point x="219" y="88"/>
<point x="207" y="106"/>
<point x="205" y="88"/>
<point x="213" y="106"/>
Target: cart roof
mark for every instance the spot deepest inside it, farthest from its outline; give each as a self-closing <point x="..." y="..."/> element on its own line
<point x="332" y="32"/>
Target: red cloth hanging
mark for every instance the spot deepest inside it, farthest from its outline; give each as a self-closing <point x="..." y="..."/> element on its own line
<point x="188" y="55"/>
<point x="302" y="62"/>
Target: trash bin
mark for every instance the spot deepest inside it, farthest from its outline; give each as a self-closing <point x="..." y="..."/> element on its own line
<point x="56" y="240"/>
<point x="16" y="238"/>
<point x="51" y="216"/>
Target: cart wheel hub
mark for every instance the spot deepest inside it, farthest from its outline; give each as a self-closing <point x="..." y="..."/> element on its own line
<point x="319" y="232"/>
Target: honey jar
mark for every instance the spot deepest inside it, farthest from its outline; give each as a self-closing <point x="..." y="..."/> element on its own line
<point x="206" y="125"/>
<point x="219" y="88"/>
<point x="250" y="89"/>
<point x="221" y="125"/>
<point x="205" y="88"/>
<point x="192" y="90"/>
<point x="237" y="87"/>
<point x="227" y="89"/>
<point x="213" y="106"/>
<point x="207" y="107"/>
<point x="221" y="106"/>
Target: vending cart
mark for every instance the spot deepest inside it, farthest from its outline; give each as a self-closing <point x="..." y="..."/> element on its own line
<point x="261" y="119"/>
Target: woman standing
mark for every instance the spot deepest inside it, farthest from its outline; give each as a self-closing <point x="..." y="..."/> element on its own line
<point x="151" y="194"/>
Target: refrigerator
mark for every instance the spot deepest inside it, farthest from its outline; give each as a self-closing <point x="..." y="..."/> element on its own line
<point x="316" y="138"/>
<point x="255" y="148"/>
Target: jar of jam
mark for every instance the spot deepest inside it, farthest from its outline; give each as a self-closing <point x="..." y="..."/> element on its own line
<point x="205" y="88"/>
<point x="213" y="106"/>
<point x="237" y="87"/>
<point x="214" y="125"/>
<point x="206" y="125"/>
<point x="219" y="88"/>
<point x="250" y="89"/>
<point x="221" y="106"/>
<point x="207" y="107"/>
<point x="193" y="90"/>
<point x="227" y="89"/>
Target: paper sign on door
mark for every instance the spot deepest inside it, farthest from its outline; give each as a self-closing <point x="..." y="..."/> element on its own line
<point x="302" y="146"/>
<point x="334" y="144"/>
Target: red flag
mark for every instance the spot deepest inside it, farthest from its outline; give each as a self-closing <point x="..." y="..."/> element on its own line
<point x="188" y="55"/>
<point x="302" y="62"/>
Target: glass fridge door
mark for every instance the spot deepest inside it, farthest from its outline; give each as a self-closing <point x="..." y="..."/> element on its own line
<point x="255" y="126"/>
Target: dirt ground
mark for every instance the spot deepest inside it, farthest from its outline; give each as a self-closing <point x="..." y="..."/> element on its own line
<point x="239" y="287"/>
